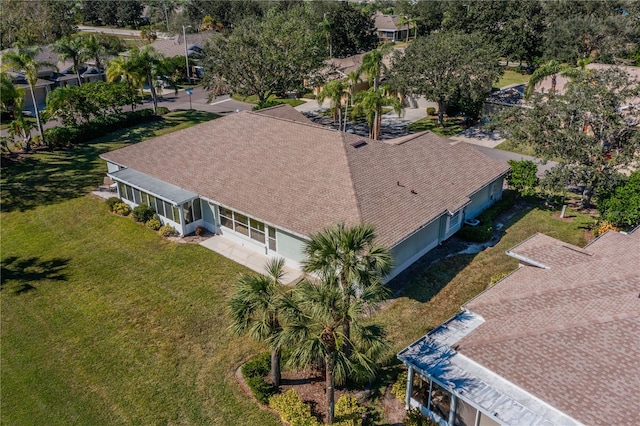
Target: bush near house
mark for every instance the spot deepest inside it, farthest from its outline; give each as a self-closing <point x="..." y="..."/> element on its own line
<point x="153" y="223"/>
<point x="399" y="388"/>
<point x="122" y="209"/>
<point x="484" y="231"/>
<point x="522" y="177"/>
<point x="111" y="202"/>
<point x="167" y="231"/>
<point x="292" y="410"/>
<point x="143" y="213"/>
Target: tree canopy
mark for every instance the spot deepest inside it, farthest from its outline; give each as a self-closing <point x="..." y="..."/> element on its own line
<point x="588" y="128"/>
<point x="447" y="68"/>
<point x="263" y="58"/>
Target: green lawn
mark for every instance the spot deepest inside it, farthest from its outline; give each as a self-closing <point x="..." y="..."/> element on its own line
<point x="511" y="77"/>
<point x="452" y="126"/>
<point x="104" y="322"/>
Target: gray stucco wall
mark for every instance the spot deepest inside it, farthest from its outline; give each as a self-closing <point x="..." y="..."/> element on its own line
<point x="483" y="199"/>
<point x="290" y="246"/>
<point x="208" y="216"/>
<point x="411" y="249"/>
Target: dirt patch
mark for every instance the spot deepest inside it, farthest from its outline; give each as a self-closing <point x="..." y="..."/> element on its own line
<point x="192" y="239"/>
<point x="394" y="410"/>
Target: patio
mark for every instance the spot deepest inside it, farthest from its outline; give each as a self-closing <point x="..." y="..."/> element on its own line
<point x="248" y="257"/>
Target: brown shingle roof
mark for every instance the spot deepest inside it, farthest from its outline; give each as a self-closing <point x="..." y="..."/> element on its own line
<point x="568" y="334"/>
<point x="304" y="177"/>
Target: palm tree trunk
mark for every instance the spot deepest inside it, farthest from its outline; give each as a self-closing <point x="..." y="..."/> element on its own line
<point x="553" y="85"/>
<point x="35" y="108"/>
<point x="328" y="362"/>
<point x="275" y="367"/>
<point x="154" y="98"/>
<point x="587" y="193"/>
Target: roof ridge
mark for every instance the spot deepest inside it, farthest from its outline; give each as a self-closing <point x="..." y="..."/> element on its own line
<point x="305" y="123"/>
<point x="352" y="185"/>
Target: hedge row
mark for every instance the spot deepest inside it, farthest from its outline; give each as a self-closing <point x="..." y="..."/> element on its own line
<point x="65" y="136"/>
<point x="484" y="231"/>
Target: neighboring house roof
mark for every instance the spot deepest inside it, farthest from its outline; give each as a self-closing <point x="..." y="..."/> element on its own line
<point x="174" y="46"/>
<point x="304" y="177"/>
<point x="388" y="22"/>
<point x="510" y="95"/>
<point x="561" y="81"/>
<point x="559" y="336"/>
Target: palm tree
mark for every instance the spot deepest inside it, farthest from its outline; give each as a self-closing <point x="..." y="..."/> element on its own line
<point x="24" y="59"/>
<point x="255" y="310"/>
<point x="334" y="90"/>
<point x="147" y="62"/>
<point x="71" y="48"/>
<point x="20" y="126"/>
<point x="350" y="258"/>
<point x="405" y="20"/>
<point x="123" y="68"/>
<point x="93" y="48"/>
<point x="325" y="27"/>
<point x="314" y="329"/>
<point x="372" y="65"/>
<point x="551" y="68"/>
<point x="9" y="94"/>
<point x="370" y="104"/>
<point x="353" y="78"/>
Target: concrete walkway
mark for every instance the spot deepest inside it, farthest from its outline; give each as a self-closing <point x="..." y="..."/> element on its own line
<point x="248" y="257"/>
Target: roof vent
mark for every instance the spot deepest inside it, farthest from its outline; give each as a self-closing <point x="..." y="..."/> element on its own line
<point x="359" y="144"/>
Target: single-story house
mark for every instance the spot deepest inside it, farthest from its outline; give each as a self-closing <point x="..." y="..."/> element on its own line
<point x="270" y="179"/>
<point x="556" y="342"/>
<point x="174" y="46"/>
<point x="387" y="27"/>
<point x="561" y="81"/>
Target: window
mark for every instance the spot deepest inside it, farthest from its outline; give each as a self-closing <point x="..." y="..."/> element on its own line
<point x="197" y="210"/>
<point x="188" y="213"/>
<point x="257" y="230"/>
<point x="122" y="189"/>
<point x="272" y="239"/>
<point x="250" y="227"/>
<point x="242" y="223"/>
<point x="136" y="196"/>
<point x="129" y="193"/>
<point x="160" y="207"/>
<point x="152" y="203"/>
<point x="453" y="221"/>
<point x="145" y="198"/>
<point x="168" y="212"/>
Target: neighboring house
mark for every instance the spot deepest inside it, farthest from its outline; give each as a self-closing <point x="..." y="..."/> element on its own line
<point x="387" y="27"/>
<point x="556" y="342"/>
<point x="504" y="98"/>
<point x="56" y="73"/>
<point x="270" y="179"/>
<point x="545" y="85"/>
<point x="174" y="46"/>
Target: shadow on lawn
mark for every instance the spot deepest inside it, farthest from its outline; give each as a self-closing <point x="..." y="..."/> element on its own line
<point x="28" y="271"/>
<point x="54" y="176"/>
<point x="51" y="177"/>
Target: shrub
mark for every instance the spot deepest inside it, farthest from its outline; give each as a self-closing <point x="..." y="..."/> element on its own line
<point x="399" y="388"/>
<point x="111" y="202"/>
<point x="143" y="213"/>
<point x="476" y="234"/>
<point x="348" y="412"/>
<point x="522" y="177"/>
<point x="604" y="227"/>
<point x="200" y="231"/>
<point x="259" y="365"/>
<point x="621" y="205"/>
<point x="292" y="409"/>
<point x="153" y="223"/>
<point x="167" y="231"/>
<point x="254" y="372"/>
<point x="162" y="110"/>
<point x="266" y="104"/>
<point x="415" y="418"/>
<point x="431" y="111"/>
<point x="122" y="209"/>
